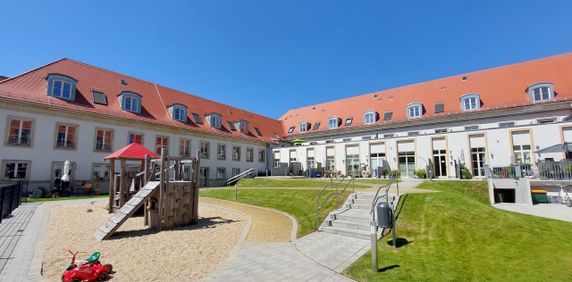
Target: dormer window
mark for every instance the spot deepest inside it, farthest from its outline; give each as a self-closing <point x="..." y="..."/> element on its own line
<point x="61" y="86"/>
<point x="242" y="126"/>
<point x="130" y="102"/>
<point x="415" y="110"/>
<point x="541" y="92"/>
<point x="470" y="102"/>
<point x="333" y="122"/>
<point x="303" y="127"/>
<point x="369" y="117"/>
<point x="179" y="112"/>
<point x="214" y="120"/>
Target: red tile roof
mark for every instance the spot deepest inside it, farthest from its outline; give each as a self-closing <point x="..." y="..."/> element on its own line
<point x="31" y="86"/>
<point x="500" y="87"/>
<point x="132" y="151"/>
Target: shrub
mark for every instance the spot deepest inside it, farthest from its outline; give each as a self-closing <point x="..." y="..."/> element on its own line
<point x="465" y="173"/>
<point x="421" y="173"/>
<point x="394" y="173"/>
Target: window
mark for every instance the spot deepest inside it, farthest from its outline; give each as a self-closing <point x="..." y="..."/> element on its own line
<point x="103" y="140"/>
<point x="257" y="131"/>
<point x="291" y="129"/>
<point x="135" y="137"/>
<point x="179" y="113"/>
<point x="61" y="86"/>
<point x="439" y="108"/>
<point x="184" y="147"/>
<point x="236" y="153"/>
<point x="100" y="172"/>
<point x="261" y="155"/>
<point x="506" y="124"/>
<point x="546" y="120"/>
<point x="413" y="133"/>
<point x="130" y="102"/>
<point x="316" y="126"/>
<point x="414" y="110"/>
<point x="387" y="116"/>
<point x="19" y="132"/>
<point x="369" y="117"/>
<point x="230" y="125"/>
<point x="65" y="136"/>
<point x="303" y="127"/>
<point x="388" y="135"/>
<point x="349" y="121"/>
<point x="214" y="120"/>
<point x="522" y="154"/>
<point x="249" y="154"/>
<point x="99" y="97"/>
<point x="333" y="122"/>
<point x="15" y="170"/>
<point x="366" y="138"/>
<point x="346" y="140"/>
<point x="204" y="149"/>
<point x="197" y="118"/>
<point x="471" y="128"/>
<point x="235" y="171"/>
<point x="220" y="173"/>
<point x="242" y="126"/>
<point x="541" y="92"/>
<point x="441" y="130"/>
<point x="162" y="142"/>
<point x="470" y="102"/>
<point x="221" y="152"/>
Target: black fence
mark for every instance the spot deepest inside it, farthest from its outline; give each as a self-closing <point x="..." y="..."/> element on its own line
<point x="10" y="197"/>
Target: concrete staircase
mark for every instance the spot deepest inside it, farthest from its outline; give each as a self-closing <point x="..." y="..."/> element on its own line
<point x="353" y="219"/>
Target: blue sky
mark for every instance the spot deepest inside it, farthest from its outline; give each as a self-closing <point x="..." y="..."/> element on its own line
<point x="271" y="56"/>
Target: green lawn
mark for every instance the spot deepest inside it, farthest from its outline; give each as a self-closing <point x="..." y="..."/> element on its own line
<point x="455" y="235"/>
<point x="264" y="182"/>
<point x="300" y="203"/>
<point x="37" y="200"/>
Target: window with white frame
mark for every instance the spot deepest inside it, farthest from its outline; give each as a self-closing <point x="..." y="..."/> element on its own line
<point x="103" y="140"/>
<point x="414" y="110"/>
<point x="541" y="92"/>
<point x="61" y="86"/>
<point x="333" y="122"/>
<point x="249" y="154"/>
<point x="179" y="113"/>
<point x="66" y="136"/>
<point x="130" y="102"/>
<point x="220" y="173"/>
<point x="242" y="126"/>
<point x="15" y="170"/>
<point x="204" y="149"/>
<point x="185" y="147"/>
<point x="470" y="102"/>
<point x="369" y="117"/>
<point x="236" y="153"/>
<point x="303" y="127"/>
<point x="100" y="172"/>
<point x="261" y="155"/>
<point x="161" y="142"/>
<point x="19" y="132"/>
<point x="221" y="152"/>
<point x="215" y="120"/>
<point x="235" y="171"/>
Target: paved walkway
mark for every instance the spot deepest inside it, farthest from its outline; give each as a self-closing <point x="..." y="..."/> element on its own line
<point x="12" y="231"/>
<point x="553" y="211"/>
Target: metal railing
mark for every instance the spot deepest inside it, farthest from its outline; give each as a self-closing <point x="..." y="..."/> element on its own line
<point x="545" y="170"/>
<point x="10" y="198"/>
<point x="239" y="176"/>
<point x="321" y="203"/>
<point x="387" y="187"/>
<point x="561" y="170"/>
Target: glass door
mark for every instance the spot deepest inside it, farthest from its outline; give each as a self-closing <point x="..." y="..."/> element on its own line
<point x="440" y="163"/>
<point x="407" y="164"/>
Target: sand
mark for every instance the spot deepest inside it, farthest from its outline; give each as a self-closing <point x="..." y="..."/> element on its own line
<point x="267" y="225"/>
<point x="138" y="254"/>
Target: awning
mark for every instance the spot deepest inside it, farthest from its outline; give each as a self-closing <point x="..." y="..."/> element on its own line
<point x="557" y="148"/>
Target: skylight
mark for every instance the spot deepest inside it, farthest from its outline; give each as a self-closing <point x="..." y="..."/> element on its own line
<point x="197" y="118"/>
<point x="291" y="129"/>
<point x="257" y="131"/>
<point x="99" y="98"/>
<point x="349" y="121"/>
<point x="230" y="125"/>
<point x="316" y="126"/>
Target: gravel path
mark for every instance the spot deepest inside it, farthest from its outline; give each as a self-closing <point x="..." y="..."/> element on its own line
<point x="267" y="225"/>
<point x="138" y="254"/>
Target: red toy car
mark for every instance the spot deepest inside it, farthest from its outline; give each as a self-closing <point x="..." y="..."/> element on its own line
<point x="89" y="270"/>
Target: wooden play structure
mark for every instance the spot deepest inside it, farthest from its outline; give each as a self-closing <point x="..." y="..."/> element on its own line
<point x="166" y="190"/>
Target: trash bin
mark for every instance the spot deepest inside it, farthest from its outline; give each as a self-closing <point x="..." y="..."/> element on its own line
<point x="384" y="215"/>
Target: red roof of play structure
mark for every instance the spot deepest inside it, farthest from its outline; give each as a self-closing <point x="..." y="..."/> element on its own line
<point x="132" y="151"/>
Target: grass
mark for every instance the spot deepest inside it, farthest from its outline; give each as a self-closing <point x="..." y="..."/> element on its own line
<point x="455" y="235"/>
<point x="264" y="182"/>
<point x="39" y="200"/>
<point x="300" y="203"/>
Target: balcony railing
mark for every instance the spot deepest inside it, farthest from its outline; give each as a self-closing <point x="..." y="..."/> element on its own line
<point x="544" y="170"/>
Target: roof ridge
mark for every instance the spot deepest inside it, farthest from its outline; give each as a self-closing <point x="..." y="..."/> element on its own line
<point x="552" y="57"/>
<point x="166" y="87"/>
<point x="32" y="70"/>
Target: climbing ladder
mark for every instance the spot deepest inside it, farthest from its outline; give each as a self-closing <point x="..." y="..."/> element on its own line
<point x="120" y="216"/>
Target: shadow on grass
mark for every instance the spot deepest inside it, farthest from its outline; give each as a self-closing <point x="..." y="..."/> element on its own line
<point x="387" y="268"/>
<point x="205" y="222"/>
<point x="399" y="242"/>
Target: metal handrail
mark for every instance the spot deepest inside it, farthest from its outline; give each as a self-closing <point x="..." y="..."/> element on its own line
<point x="387" y="188"/>
<point x="240" y="175"/>
<point x="320" y="205"/>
